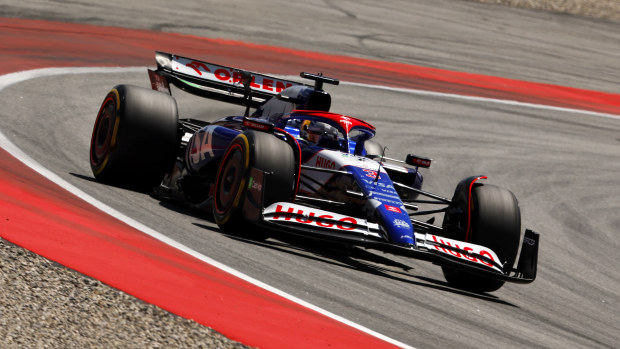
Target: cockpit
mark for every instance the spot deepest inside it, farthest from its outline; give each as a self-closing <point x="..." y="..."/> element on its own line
<point x="327" y="130"/>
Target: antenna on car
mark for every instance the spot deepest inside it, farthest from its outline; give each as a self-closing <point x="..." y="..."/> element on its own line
<point x="382" y="157"/>
<point x="319" y="79"/>
<point x="246" y="80"/>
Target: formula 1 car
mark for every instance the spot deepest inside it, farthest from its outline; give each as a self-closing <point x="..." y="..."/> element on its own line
<point x="293" y="166"/>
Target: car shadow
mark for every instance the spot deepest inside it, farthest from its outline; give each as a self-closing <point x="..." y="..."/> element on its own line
<point x="355" y="258"/>
<point x="84" y="177"/>
<point x="338" y="254"/>
<point x="94" y="180"/>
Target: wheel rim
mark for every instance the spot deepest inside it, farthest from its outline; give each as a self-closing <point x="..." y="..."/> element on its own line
<point x="229" y="180"/>
<point x="103" y="133"/>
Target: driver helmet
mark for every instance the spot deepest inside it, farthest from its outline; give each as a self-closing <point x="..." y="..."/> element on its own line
<point x="316" y="131"/>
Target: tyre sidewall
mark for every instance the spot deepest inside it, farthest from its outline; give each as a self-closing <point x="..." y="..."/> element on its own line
<point x="228" y="217"/>
<point x="144" y="140"/>
<point x="495" y="224"/>
<point x="264" y="152"/>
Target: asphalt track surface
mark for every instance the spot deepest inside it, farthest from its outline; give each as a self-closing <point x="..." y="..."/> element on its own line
<point x="563" y="166"/>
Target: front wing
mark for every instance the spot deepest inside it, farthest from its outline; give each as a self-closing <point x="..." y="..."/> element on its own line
<point x="316" y="223"/>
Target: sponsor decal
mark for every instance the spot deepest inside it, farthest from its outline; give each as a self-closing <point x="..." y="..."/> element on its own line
<point x="401" y="223"/>
<point x="218" y="73"/>
<point x="325" y="163"/>
<point x="379" y="188"/>
<point x="383" y="199"/>
<point x="331" y="159"/>
<point x="388" y="190"/>
<point x="356" y="161"/>
<point x="346" y="121"/>
<point x="314" y="218"/>
<point x="393" y="209"/>
<point x="384" y="195"/>
<point x="261" y="126"/>
<point x="252" y="184"/>
<point x="198" y="67"/>
<point x="380" y="185"/>
<point x="529" y="241"/>
<point x="463" y="250"/>
<point x="298" y="214"/>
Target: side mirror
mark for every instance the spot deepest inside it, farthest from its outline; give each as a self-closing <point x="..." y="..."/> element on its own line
<point x="418" y="161"/>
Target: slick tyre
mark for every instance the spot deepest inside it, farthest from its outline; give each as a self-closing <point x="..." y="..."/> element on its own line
<point x="496" y="224"/>
<point x="134" y="138"/>
<point x="249" y="150"/>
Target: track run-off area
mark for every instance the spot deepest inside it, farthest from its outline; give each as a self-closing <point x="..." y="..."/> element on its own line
<point x="45" y="213"/>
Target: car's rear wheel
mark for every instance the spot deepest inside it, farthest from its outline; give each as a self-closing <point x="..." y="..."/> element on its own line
<point x="134" y="138"/>
<point x="250" y="150"/>
<point x="496" y="224"/>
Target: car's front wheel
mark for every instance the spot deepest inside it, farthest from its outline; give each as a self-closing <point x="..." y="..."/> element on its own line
<point x="496" y="224"/>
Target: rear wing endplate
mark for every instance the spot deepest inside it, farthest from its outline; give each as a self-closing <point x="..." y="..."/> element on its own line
<point x="215" y="81"/>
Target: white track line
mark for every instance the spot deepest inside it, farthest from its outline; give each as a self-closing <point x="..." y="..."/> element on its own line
<point x="6" y="144"/>
<point x="467" y="98"/>
<point x="485" y="100"/>
<point x="14" y="78"/>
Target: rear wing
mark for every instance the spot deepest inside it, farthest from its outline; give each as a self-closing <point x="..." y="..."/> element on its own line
<point x="215" y="81"/>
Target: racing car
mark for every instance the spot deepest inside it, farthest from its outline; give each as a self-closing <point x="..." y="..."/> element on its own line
<point x="288" y="164"/>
